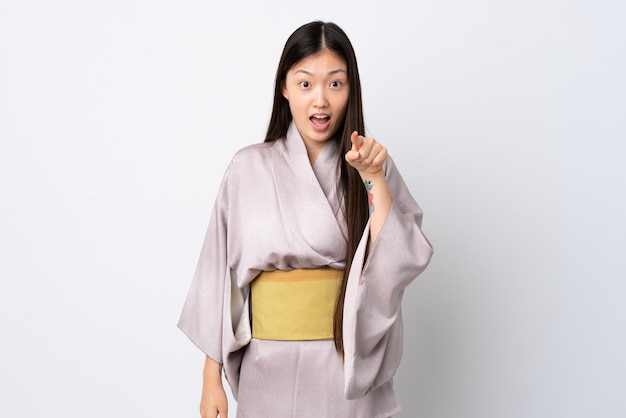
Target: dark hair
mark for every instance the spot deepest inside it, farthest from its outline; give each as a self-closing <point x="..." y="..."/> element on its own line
<point x="307" y="40"/>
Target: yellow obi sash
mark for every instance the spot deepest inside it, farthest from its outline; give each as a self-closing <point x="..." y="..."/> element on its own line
<point x="295" y="304"/>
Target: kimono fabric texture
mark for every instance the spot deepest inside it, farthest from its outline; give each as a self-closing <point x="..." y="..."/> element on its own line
<point x="274" y="211"/>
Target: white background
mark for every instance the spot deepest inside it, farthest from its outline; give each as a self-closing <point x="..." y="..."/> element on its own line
<point x="506" y="118"/>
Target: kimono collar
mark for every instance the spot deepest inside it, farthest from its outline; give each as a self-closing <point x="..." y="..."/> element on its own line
<point x="320" y="180"/>
<point x="295" y="146"/>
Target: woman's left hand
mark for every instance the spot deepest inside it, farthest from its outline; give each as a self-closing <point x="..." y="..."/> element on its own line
<point x="366" y="155"/>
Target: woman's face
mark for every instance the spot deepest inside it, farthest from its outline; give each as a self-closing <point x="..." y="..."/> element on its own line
<point x="317" y="89"/>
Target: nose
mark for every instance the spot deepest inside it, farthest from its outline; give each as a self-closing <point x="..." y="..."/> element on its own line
<point x="320" y="97"/>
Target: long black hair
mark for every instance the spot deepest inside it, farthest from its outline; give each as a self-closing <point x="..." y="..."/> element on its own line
<point x="310" y="39"/>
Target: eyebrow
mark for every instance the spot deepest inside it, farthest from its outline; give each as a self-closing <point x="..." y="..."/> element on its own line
<point x="333" y="72"/>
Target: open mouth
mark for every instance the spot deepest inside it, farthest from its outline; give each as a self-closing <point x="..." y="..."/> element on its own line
<point x="320" y="121"/>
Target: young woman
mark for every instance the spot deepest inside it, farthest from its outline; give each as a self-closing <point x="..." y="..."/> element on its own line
<point x="312" y="240"/>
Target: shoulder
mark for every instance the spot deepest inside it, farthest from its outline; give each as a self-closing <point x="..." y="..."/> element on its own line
<point x="257" y="153"/>
<point x="254" y="160"/>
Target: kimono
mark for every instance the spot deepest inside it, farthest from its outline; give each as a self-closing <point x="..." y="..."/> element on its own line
<point x="274" y="211"/>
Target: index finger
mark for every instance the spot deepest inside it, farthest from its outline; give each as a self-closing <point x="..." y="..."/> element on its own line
<point x="357" y="140"/>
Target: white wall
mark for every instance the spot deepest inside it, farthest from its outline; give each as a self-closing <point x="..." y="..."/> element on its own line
<point x="117" y="120"/>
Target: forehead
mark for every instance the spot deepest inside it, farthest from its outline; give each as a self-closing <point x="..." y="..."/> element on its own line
<point x="322" y="62"/>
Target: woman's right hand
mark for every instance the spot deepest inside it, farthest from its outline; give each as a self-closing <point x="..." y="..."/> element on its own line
<point x="213" y="403"/>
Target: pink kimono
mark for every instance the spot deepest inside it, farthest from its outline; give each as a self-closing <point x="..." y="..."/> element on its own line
<point x="276" y="212"/>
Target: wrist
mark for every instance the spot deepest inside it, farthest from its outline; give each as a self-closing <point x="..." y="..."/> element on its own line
<point x="212" y="379"/>
<point x="212" y="369"/>
<point x="373" y="177"/>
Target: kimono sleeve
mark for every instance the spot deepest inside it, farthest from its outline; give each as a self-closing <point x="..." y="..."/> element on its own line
<point x="202" y="316"/>
<point x="372" y="327"/>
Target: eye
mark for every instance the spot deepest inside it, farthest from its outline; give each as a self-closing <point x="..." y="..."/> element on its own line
<point x="305" y="84"/>
<point x="335" y="84"/>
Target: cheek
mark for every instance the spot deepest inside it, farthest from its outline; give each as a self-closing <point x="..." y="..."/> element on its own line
<point x="297" y="109"/>
<point x="342" y="105"/>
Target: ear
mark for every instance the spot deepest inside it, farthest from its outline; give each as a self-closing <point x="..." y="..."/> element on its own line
<point x="284" y="90"/>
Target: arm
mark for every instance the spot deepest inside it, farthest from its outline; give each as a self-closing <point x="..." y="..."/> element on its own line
<point x="213" y="402"/>
<point x="202" y="317"/>
<point x="368" y="157"/>
<point x="372" y="327"/>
